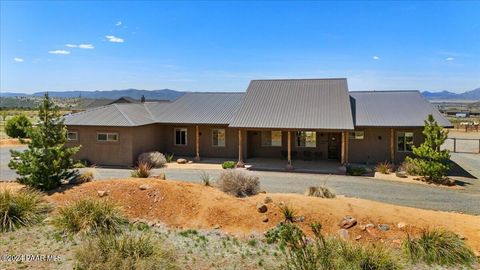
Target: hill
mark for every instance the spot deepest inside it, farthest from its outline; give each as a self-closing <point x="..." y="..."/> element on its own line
<point x="445" y="95"/>
<point x="110" y="94"/>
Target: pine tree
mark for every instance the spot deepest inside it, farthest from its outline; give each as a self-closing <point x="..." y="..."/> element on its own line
<point x="431" y="161"/>
<point x="47" y="161"/>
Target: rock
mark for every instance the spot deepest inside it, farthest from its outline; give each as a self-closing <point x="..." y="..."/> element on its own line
<point x="369" y="225"/>
<point x="216" y="227"/>
<point x="383" y="227"/>
<point x="300" y="219"/>
<point x="347" y="222"/>
<point x="264" y="218"/>
<point x="151" y="223"/>
<point x="102" y="193"/>
<point x="371" y="231"/>
<point x="190" y="162"/>
<point x="343" y="233"/>
<point x="267" y="200"/>
<point x="401" y="174"/>
<point x="144" y="187"/>
<point x="262" y="192"/>
<point x="462" y="237"/>
<point x="262" y="208"/>
<point x="401" y="225"/>
<point x="182" y="161"/>
<point x="363" y="227"/>
<point x="358" y="237"/>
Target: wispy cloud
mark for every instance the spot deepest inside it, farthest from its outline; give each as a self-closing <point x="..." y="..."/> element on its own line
<point x="81" y="46"/>
<point x="18" y="59"/>
<point x="115" y="39"/>
<point x="375" y="57"/>
<point x="450" y="59"/>
<point x="59" y="52"/>
<point x="71" y="45"/>
<point x="118" y="23"/>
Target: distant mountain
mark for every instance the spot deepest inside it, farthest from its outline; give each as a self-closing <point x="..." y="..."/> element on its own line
<point x="110" y="94"/>
<point x="469" y="95"/>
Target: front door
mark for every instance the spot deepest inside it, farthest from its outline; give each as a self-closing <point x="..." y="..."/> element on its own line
<point x="334" y="145"/>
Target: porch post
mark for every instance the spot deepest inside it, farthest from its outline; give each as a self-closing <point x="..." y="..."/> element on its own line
<point x="197" y="143"/>
<point x="392" y="146"/>
<point x="240" y="163"/>
<point x="289" y="151"/>
<point x="346" y="147"/>
<point x="342" y="153"/>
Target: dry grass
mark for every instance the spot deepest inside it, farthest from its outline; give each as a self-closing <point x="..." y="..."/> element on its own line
<point x="238" y="183"/>
<point x="321" y="192"/>
<point x="384" y="167"/>
<point x="143" y="170"/>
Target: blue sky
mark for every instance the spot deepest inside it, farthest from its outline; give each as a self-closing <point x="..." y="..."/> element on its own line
<point x="221" y="46"/>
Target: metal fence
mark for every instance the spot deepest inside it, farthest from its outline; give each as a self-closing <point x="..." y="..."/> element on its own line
<point x="462" y="145"/>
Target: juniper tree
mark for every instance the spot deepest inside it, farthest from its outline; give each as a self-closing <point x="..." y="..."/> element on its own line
<point x="47" y="161"/>
<point x="431" y="161"/>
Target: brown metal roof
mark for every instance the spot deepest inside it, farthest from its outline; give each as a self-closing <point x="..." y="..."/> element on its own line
<point x="296" y="104"/>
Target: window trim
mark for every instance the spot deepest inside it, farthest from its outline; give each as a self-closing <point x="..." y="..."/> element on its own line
<point x="76" y="136"/>
<point x="355" y="137"/>
<point x="224" y="139"/>
<point x="308" y="147"/>
<point x="262" y="141"/>
<point x="175" y="136"/>
<point x="404" y="141"/>
<point x="107" y="134"/>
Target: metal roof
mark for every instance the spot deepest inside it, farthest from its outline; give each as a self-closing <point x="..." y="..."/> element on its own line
<point x="112" y="115"/>
<point x="393" y="109"/>
<point x="296" y="104"/>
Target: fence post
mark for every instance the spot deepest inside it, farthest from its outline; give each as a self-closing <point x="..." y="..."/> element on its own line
<point x="454" y="145"/>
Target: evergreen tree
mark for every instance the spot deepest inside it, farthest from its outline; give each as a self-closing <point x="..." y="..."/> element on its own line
<point x="431" y="161"/>
<point x="47" y="161"/>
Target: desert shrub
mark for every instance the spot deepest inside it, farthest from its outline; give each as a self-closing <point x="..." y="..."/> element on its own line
<point x="384" y="167"/>
<point x="409" y="167"/>
<point x="238" y="183"/>
<point x="86" y="176"/>
<point x="21" y="208"/>
<point x="356" y="170"/>
<point x="229" y="164"/>
<point x="275" y="234"/>
<point x="288" y="213"/>
<point x="154" y="159"/>
<point x="356" y="256"/>
<point x="206" y="179"/>
<point x="439" y="247"/>
<point x="127" y="251"/>
<point x="143" y="170"/>
<point x="89" y="216"/>
<point x="18" y="126"/>
<point x="322" y="192"/>
<point x="169" y="157"/>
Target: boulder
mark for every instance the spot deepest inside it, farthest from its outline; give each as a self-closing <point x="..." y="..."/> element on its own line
<point x="262" y="208"/>
<point x="216" y="227"/>
<point x="182" y="161"/>
<point x="343" y="233"/>
<point x="383" y="227"/>
<point x="267" y="200"/>
<point x="401" y="174"/>
<point x="102" y="193"/>
<point x="264" y="218"/>
<point x="144" y="187"/>
<point x="347" y="222"/>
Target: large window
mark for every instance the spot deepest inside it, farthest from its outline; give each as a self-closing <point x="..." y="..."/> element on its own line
<point x="180" y="136"/>
<point x="404" y="141"/>
<point x="107" y="137"/>
<point x="72" y="136"/>
<point x="306" y="139"/>
<point x="357" y="135"/>
<point x="272" y="138"/>
<point x="218" y="137"/>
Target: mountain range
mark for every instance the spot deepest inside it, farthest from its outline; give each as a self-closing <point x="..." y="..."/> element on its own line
<point x="468" y="95"/>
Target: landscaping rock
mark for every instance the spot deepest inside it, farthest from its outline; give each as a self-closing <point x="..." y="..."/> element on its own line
<point x="264" y="218"/>
<point x="102" y="193"/>
<point x="358" y="237"/>
<point x="401" y="174"/>
<point x="216" y="227"/>
<point x="343" y="233"/>
<point x="262" y="208"/>
<point x="144" y="187"/>
<point x="347" y="222"/>
<point x="383" y="227"/>
<point x="267" y="200"/>
<point x="369" y="225"/>
<point x="182" y="161"/>
<point x="300" y="219"/>
<point x="401" y="225"/>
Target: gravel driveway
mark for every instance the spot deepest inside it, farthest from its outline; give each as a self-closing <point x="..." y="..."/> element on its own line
<point x="414" y="195"/>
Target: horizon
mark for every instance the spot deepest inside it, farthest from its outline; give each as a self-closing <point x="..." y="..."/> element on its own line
<point x="212" y="46"/>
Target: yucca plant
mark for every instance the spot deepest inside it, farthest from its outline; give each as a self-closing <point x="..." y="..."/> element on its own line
<point x="20" y="208"/>
<point x="384" y="167"/>
<point x="142" y="170"/>
<point x="287" y="212"/>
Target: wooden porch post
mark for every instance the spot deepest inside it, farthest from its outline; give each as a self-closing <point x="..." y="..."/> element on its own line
<point x="342" y="152"/>
<point x="240" y="163"/>
<point x="346" y="147"/>
<point x="289" y="151"/>
<point x="392" y="146"/>
<point x="197" y="143"/>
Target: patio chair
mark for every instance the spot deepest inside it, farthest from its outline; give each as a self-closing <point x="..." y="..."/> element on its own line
<point x="307" y="155"/>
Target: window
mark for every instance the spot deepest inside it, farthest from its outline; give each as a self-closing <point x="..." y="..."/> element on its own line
<point x="357" y="135"/>
<point x="107" y="137"/>
<point x="180" y="136"/>
<point x="272" y="138"/>
<point x="404" y="141"/>
<point x="218" y="137"/>
<point x="72" y="136"/>
<point x="306" y="139"/>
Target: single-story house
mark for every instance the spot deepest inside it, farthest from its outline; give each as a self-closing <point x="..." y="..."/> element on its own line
<point x="307" y="119"/>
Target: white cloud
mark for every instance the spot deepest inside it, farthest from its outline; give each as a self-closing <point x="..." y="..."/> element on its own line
<point x="18" y="59"/>
<point x="81" y="46"/>
<point x="450" y="59"/>
<point x="71" y="45"/>
<point x="375" y="57"/>
<point x="118" y="23"/>
<point x="114" y="39"/>
<point x="59" y="52"/>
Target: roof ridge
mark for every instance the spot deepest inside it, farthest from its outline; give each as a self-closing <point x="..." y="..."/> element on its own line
<point x="149" y="112"/>
<point x="382" y="91"/>
<point x="124" y="115"/>
<point x="305" y="79"/>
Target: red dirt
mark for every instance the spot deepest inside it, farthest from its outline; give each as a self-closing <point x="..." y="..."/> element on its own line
<point x="10" y="142"/>
<point x="187" y="205"/>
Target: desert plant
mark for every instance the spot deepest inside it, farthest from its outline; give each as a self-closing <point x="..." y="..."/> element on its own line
<point x="89" y="216"/>
<point x="169" y="157"/>
<point x="432" y="162"/>
<point x="409" y="167"/>
<point x="18" y="126"/>
<point x="47" y="161"/>
<point x="384" y="167"/>
<point x="356" y="170"/>
<point x="127" y="251"/>
<point x="238" y="183"/>
<point x="229" y="164"/>
<point x="439" y="247"/>
<point x="143" y="170"/>
<point x="288" y="213"/>
<point x="24" y="207"/>
<point x="206" y="179"/>
<point x="154" y="159"/>
<point x="86" y="176"/>
<point x="321" y="191"/>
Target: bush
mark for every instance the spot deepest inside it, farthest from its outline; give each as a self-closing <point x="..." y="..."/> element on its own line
<point x="88" y="216"/>
<point x="141" y="251"/>
<point x="169" y="158"/>
<point x="18" y="126"/>
<point x="86" y="176"/>
<point x="287" y="212"/>
<point x="409" y="167"/>
<point x="322" y="192"/>
<point x="356" y="170"/>
<point x="154" y="159"/>
<point x="206" y="179"/>
<point x="439" y="247"/>
<point x="21" y="208"/>
<point x="384" y="167"/>
<point x="142" y="170"/>
<point x="238" y="183"/>
<point x="229" y="164"/>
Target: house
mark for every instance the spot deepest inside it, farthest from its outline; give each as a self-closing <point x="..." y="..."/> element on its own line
<point x="90" y="104"/>
<point x="306" y="119"/>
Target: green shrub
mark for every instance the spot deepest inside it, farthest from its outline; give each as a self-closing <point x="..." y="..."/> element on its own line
<point x="142" y="170"/>
<point x="206" y="179"/>
<point x="229" y="164"/>
<point x="89" y="216"/>
<point x="238" y="183"/>
<point x="321" y="192"/>
<point x="356" y="256"/>
<point x="384" y="167"/>
<point x="439" y="247"/>
<point x="154" y="159"/>
<point x="356" y="170"/>
<point x="128" y="251"/>
<point x="18" y="126"/>
<point x="169" y="157"/>
<point x="20" y="208"/>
